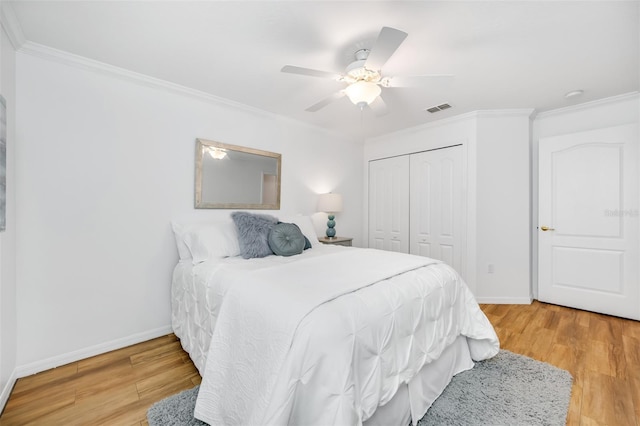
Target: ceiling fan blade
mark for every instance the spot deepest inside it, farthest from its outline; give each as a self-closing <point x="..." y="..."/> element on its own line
<point x="326" y="101"/>
<point x="379" y="107"/>
<point x="308" y="71"/>
<point x="387" y="43"/>
<point x="415" y="80"/>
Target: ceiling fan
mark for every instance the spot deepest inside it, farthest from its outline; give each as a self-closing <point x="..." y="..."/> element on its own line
<point x="363" y="76"/>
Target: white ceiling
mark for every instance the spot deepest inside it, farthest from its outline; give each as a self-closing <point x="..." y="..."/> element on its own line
<point x="504" y="54"/>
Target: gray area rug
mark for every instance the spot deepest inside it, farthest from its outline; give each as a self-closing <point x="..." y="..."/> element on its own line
<point x="508" y="389"/>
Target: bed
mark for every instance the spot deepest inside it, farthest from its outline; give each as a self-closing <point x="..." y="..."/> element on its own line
<point x="333" y="335"/>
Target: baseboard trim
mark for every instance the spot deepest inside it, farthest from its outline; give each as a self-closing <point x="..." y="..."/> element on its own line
<point x="505" y="300"/>
<point x="57" y="361"/>
<point x="6" y="391"/>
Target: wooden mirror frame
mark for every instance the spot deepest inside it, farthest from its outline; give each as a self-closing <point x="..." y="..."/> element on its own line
<point x="204" y="146"/>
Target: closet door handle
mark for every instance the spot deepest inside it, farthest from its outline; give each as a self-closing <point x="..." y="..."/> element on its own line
<point x="546" y="228"/>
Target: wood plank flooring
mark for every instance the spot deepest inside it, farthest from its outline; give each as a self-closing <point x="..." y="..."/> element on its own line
<point x="116" y="388"/>
<point x="601" y="352"/>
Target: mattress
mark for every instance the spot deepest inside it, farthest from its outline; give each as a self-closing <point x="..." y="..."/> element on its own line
<point x="381" y="327"/>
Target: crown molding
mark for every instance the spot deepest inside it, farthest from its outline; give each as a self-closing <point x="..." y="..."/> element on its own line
<point x="11" y="25"/>
<point x="589" y="105"/>
<point x="429" y="125"/>
<point x="514" y="112"/>
<point x="77" y="61"/>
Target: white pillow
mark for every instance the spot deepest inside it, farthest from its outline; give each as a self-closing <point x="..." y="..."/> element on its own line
<point x="306" y="226"/>
<point x="179" y="230"/>
<point x="212" y="241"/>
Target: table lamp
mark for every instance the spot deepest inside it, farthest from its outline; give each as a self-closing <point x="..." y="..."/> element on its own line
<point x="330" y="203"/>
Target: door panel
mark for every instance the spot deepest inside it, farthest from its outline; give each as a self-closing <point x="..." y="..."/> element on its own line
<point x="389" y="204"/>
<point x="592" y="175"/>
<point x="422" y="223"/>
<point x="378" y="243"/>
<point x="447" y="254"/>
<point x="580" y="268"/>
<point x="436" y="205"/>
<point x="423" y="249"/>
<point x="447" y="193"/>
<point x="588" y="196"/>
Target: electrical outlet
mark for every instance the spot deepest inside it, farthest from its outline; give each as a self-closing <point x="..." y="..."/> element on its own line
<point x="490" y="268"/>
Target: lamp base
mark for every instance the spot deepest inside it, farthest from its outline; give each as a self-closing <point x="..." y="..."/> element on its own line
<point x="331" y="223"/>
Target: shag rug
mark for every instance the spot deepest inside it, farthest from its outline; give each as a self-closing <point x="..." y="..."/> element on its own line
<point x="508" y="389"/>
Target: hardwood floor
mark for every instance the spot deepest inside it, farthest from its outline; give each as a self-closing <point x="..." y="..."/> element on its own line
<point x="116" y="388"/>
<point x="601" y="352"/>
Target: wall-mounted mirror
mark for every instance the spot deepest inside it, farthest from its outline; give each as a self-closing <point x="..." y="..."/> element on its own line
<point x="236" y="177"/>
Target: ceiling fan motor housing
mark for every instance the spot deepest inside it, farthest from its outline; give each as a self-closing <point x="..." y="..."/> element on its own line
<point x="357" y="71"/>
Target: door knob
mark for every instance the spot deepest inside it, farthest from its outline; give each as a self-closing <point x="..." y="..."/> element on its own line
<point x="546" y="228"/>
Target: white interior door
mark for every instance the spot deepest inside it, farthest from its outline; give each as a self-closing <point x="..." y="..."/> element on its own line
<point x="436" y="205"/>
<point x="389" y="204"/>
<point x="588" y="256"/>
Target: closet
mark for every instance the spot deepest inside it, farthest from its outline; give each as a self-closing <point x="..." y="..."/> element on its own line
<point x="389" y="204"/>
<point x="416" y="204"/>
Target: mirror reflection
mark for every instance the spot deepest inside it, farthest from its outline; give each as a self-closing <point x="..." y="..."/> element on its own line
<point x="231" y="177"/>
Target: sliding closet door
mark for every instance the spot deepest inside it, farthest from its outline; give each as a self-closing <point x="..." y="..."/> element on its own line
<point x="389" y="204"/>
<point x="436" y="205"/>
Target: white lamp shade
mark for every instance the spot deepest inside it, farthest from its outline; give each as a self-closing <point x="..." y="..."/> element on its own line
<point x="330" y="203"/>
<point x="363" y="91"/>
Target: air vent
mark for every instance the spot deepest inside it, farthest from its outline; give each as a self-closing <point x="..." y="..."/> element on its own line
<point x="438" y="108"/>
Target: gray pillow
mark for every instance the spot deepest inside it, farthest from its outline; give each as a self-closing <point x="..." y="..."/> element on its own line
<point x="253" y="233"/>
<point x="286" y="239"/>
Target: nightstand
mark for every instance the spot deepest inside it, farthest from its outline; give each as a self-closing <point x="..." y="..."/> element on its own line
<point x="336" y="241"/>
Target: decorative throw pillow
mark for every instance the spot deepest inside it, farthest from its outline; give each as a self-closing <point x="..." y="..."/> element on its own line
<point x="286" y="239"/>
<point x="253" y="233"/>
<point x="307" y="243"/>
<point x="306" y="226"/>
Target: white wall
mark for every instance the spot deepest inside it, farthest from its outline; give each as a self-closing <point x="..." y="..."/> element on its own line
<point x="496" y="147"/>
<point x="104" y="164"/>
<point x="608" y="112"/>
<point x="503" y="207"/>
<point x="8" y="316"/>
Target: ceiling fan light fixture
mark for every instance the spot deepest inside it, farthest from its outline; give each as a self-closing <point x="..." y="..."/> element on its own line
<point x="362" y="92"/>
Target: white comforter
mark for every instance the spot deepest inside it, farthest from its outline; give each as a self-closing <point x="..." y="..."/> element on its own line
<point x="328" y="339"/>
